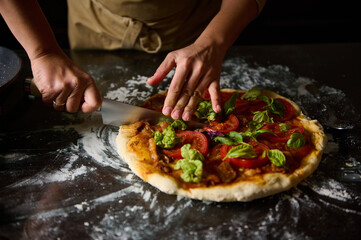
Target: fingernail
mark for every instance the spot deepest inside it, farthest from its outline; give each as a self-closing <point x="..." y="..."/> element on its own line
<point x="176" y="114"/>
<point x="218" y="109"/>
<point x="167" y="110"/>
<point x="186" y="115"/>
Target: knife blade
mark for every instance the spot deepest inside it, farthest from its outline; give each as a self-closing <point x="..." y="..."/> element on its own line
<point x="117" y="113"/>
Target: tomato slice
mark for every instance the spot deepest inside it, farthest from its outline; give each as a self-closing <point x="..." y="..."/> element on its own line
<point x="282" y="136"/>
<point x="229" y="125"/>
<point x="259" y="161"/>
<point x="197" y="141"/>
<point x="256" y="105"/>
<point x="288" y="111"/>
<point x="241" y="105"/>
<point x="300" y="153"/>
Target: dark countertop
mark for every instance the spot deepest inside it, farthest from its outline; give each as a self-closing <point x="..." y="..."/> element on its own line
<point x="61" y="177"/>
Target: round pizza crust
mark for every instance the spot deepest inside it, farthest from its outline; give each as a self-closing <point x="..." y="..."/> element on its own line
<point x="259" y="187"/>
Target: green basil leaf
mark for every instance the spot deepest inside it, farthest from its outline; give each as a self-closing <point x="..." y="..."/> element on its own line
<point x="296" y="140"/>
<point x="261" y="131"/>
<point x="266" y="100"/>
<point x="190" y="153"/>
<point x="276" y="157"/>
<point x="164" y="119"/>
<point x="205" y="111"/>
<point x="192" y="169"/>
<point x="262" y="117"/>
<point x="167" y="139"/>
<point x="254" y="126"/>
<point x="251" y="94"/>
<point x="284" y="127"/>
<point x="242" y="151"/>
<point x="277" y="107"/>
<point x="236" y="137"/>
<point x="191" y="165"/>
<point x="233" y="138"/>
<point x="179" y="124"/>
<point x="230" y="104"/>
<point x="223" y="140"/>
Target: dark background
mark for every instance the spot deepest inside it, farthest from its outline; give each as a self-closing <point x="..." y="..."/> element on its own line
<point x="281" y="22"/>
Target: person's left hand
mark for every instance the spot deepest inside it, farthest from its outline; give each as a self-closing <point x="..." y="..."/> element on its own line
<point x="198" y="69"/>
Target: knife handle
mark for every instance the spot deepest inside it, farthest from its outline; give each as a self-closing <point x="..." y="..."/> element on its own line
<point x="30" y="88"/>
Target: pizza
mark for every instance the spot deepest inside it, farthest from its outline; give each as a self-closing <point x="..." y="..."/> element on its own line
<point x="261" y="144"/>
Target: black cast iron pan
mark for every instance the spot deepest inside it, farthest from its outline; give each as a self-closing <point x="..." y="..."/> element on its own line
<point x="11" y="80"/>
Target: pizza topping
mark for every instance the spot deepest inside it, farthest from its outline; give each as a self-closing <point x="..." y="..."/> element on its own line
<point x="300" y="153"/>
<point x="276" y="157"/>
<point x="255" y="129"/>
<point x="272" y="108"/>
<point x="230" y="104"/>
<point x="167" y="139"/>
<point x="284" y="127"/>
<point x="226" y="172"/>
<point x="296" y="140"/>
<point x="142" y="142"/>
<point x="287" y="112"/>
<point x="251" y="94"/>
<point x="233" y="138"/>
<point x="205" y="111"/>
<point x="280" y="132"/>
<point x="267" y="109"/>
<point x="241" y="151"/>
<point x="230" y="124"/>
<point x="255" y="134"/>
<point x="241" y="105"/>
<point x="273" y="105"/>
<point x="197" y="141"/>
<point x="254" y="158"/>
<point x="211" y="134"/>
<point x="191" y="164"/>
<point x="179" y="124"/>
<point x="262" y="116"/>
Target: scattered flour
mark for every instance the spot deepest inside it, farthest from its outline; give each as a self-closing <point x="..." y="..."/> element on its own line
<point x="139" y="208"/>
<point x="333" y="189"/>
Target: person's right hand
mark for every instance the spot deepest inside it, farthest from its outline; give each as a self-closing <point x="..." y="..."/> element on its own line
<point x="63" y="84"/>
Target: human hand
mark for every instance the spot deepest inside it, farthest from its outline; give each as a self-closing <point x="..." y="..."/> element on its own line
<point x="63" y="84"/>
<point x="198" y="69"/>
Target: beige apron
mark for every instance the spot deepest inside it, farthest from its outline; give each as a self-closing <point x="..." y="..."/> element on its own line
<point x="147" y="25"/>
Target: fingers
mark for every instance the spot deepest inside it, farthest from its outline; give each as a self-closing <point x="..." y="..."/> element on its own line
<point x="187" y="89"/>
<point x="164" y="68"/>
<point x="59" y="103"/>
<point x="84" y="96"/>
<point x="181" y="76"/>
<point x="197" y="70"/>
<point x="74" y="94"/>
<point x="63" y="84"/>
<point x="92" y="99"/>
<point x="206" y="81"/>
<point x="191" y="93"/>
<point x="214" y="91"/>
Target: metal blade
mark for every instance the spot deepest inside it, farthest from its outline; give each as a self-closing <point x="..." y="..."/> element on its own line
<point x="116" y="113"/>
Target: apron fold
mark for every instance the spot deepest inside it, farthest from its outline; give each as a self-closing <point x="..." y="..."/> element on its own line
<point x="101" y="29"/>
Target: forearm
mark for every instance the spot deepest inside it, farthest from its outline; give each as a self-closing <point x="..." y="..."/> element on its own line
<point x="228" y="24"/>
<point x="29" y="25"/>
